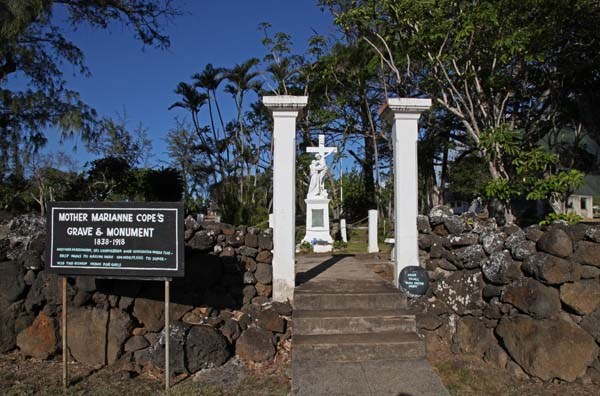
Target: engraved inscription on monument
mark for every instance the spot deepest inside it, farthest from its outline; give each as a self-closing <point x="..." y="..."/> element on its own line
<point x="317" y="218"/>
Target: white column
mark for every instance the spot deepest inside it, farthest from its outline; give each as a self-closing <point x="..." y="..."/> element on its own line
<point x="404" y="114"/>
<point x="343" y="231"/>
<point x="285" y="110"/>
<point x="373" y="245"/>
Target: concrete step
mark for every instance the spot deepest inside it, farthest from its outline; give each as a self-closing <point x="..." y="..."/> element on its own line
<point x="357" y="347"/>
<point x="353" y="321"/>
<point x="378" y="377"/>
<point x="340" y="301"/>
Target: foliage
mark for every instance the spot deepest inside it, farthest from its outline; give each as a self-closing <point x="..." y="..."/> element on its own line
<point x="181" y="148"/>
<point x="356" y="202"/>
<point x="113" y="179"/>
<point x="569" y="218"/>
<point x="115" y="140"/>
<point x="164" y="184"/>
<point x="33" y="46"/>
<point x="52" y="179"/>
<point x="110" y="179"/>
<point x="238" y="211"/>
<point x="346" y="91"/>
<point x="340" y="245"/>
<point x="305" y="247"/>
<point x="468" y="176"/>
<point x="46" y="178"/>
<point x="223" y="160"/>
<point x="501" y="189"/>
<point x="33" y="92"/>
<point x="534" y="169"/>
<point x="527" y="64"/>
<point x="13" y="196"/>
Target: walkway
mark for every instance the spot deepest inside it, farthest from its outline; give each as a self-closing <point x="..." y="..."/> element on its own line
<point x="353" y="335"/>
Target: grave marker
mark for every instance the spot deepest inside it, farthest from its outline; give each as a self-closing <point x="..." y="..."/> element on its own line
<point x="414" y="281"/>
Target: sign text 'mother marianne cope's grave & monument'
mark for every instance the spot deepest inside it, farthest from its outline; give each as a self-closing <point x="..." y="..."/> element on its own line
<point x="116" y="239"/>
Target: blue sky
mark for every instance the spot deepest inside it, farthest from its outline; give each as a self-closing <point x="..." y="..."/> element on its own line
<point x="140" y="81"/>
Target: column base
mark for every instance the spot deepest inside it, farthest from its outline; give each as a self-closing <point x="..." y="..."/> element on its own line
<point x="283" y="290"/>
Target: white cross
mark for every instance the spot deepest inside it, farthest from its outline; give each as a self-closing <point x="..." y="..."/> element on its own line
<point x="324" y="151"/>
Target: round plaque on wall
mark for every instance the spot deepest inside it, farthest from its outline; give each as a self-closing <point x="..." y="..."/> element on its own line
<point x="414" y="280"/>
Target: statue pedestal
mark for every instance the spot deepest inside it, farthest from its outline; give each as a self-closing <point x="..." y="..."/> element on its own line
<point x="317" y="224"/>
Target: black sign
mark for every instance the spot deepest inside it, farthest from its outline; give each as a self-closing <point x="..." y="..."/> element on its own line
<point x="119" y="239"/>
<point x="414" y="280"/>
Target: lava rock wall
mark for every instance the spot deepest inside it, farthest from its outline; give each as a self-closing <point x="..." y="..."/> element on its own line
<point x="222" y="306"/>
<point x="523" y="299"/>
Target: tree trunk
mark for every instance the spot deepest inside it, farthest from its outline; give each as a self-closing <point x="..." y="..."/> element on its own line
<point x="444" y="174"/>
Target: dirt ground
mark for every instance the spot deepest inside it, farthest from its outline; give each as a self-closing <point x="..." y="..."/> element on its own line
<point x="464" y="375"/>
<point x="20" y="377"/>
<point x="461" y="375"/>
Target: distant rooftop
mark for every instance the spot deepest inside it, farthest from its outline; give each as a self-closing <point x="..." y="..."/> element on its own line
<point x="591" y="185"/>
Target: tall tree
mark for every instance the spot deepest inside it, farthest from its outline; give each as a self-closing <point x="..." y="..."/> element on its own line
<point x="347" y="90"/>
<point x="116" y="140"/>
<point x="182" y="148"/>
<point x="242" y="79"/>
<point x="210" y="78"/>
<point x="488" y="63"/>
<point x="34" y="47"/>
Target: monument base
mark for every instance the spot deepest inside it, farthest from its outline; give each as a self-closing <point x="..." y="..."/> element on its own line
<point x="322" y="248"/>
<point x="317" y="221"/>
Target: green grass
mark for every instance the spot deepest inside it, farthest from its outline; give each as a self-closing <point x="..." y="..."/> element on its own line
<point x="357" y="242"/>
<point x="465" y="381"/>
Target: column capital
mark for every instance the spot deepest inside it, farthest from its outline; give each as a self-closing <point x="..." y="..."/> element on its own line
<point x="282" y="103"/>
<point x="404" y="108"/>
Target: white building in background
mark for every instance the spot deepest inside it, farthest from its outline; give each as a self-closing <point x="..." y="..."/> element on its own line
<point x="582" y="205"/>
<point x="581" y="202"/>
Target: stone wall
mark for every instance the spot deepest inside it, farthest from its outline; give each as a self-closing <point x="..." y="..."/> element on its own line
<point x="222" y="307"/>
<point x="523" y="299"/>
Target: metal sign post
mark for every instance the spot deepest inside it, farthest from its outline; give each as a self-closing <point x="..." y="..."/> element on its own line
<point x="64" y="333"/>
<point x="167" y="334"/>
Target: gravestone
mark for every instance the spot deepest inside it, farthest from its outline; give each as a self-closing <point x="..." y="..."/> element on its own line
<point x="317" y="201"/>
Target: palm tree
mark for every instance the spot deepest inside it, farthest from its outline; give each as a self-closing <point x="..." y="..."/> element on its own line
<point x="241" y="81"/>
<point x="210" y="78"/>
<point x="192" y="100"/>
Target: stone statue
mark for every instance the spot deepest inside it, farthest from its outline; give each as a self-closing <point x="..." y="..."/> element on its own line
<point x="317" y="202"/>
<point x="318" y="169"/>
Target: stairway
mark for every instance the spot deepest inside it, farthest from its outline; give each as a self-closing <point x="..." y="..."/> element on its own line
<point x="353" y="334"/>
